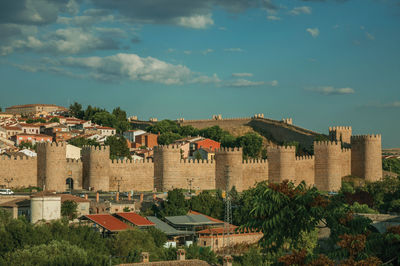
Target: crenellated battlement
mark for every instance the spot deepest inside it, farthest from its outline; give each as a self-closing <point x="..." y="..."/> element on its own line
<point x="305" y="158"/>
<point x="374" y="137"/>
<point x="346" y="150"/>
<point x="340" y="128"/>
<point x="51" y="144"/>
<point x="255" y="161"/>
<point x="194" y="161"/>
<point x="17" y="158"/>
<point x="69" y="160"/>
<point x="282" y="148"/>
<point x="326" y="144"/>
<point x="219" y="119"/>
<point x="229" y="150"/>
<point x="167" y="147"/>
<point x="127" y="161"/>
<point x="87" y="148"/>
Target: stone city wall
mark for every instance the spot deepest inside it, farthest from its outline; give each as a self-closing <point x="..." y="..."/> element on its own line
<point x="254" y="171"/>
<point x="21" y="169"/>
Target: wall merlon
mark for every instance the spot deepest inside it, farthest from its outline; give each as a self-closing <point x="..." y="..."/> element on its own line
<point x="69" y="160"/>
<point x="229" y="149"/>
<point x="326" y="143"/>
<point x="167" y="147"/>
<point x="366" y="137"/>
<point x="340" y="128"/>
<point x="305" y="157"/>
<point x="282" y="148"/>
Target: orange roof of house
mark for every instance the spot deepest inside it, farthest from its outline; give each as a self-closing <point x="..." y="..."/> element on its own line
<point x="28" y="125"/>
<point x="134" y="218"/>
<point x="108" y="222"/>
<point x="105" y="128"/>
<point x="11" y="128"/>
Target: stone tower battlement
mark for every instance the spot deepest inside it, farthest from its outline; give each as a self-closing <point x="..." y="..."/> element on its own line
<point x="228" y="168"/>
<point x="52" y="165"/>
<point x="366" y="158"/>
<point x="281" y="160"/>
<point x="328" y="163"/>
<point x="341" y="133"/>
<point x="96" y="167"/>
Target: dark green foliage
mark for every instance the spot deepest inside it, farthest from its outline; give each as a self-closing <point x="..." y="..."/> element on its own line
<point x="252" y="145"/>
<point x="202" y="253"/>
<point x="27" y="145"/>
<point x="75" y="110"/>
<point x="391" y="164"/>
<point x="208" y="203"/>
<point x="159" y="237"/>
<point x="38" y="120"/>
<point x="54" y="120"/>
<point x="91" y="111"/>
<point x="80" y="142"/>
<point x="69" y="209"/>
<point x="105" y="119"/>
<point x="174" y="205"/>
<point x="118" y="147"/>
<point x="168" y="138"/>
<point x="164" y="126"/>
<point x="188" y="131"/>
<point x="215" y="133"/>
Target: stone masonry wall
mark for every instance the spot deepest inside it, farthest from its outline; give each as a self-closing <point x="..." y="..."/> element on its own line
<point x="23" y="171"/>
<point x="200" y="173"/>
<point x="305" y="170"/>
<point x="132" y="175"/>
<point x="254" y="171"/>
<point x="74" y="171"/>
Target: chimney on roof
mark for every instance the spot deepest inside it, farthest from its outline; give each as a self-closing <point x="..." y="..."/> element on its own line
<point x="227" y="260"/>
<point x="144" y="257"/>
<point x="129" y="196"/>
<point x="97" y="197"/>
<point x="154" y="197"/>
<point x="141" y="197"/>
<point x="117" y="196"/>
<point x="180" y="254"/>
<point x="86" y="196"/>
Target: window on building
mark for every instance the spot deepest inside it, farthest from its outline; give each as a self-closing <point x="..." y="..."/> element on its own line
<point x="216" y="242"/>
<point x="204" y="243"/>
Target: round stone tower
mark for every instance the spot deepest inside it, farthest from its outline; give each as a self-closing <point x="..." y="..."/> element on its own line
<point x="96" y="167"/>
<point x="366" y="160"/>
<point x="229" y="168"/>
<point x="52" y="166"/>
<point x="281" y="163"/>
<point x="167" y="168"/>
<point x="328" y="163"/>
<point x="342" y="134"/>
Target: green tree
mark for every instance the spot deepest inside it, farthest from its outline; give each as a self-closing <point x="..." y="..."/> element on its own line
<point x="188" y="131"/>
<point x="69" y="209"/>
<point x="252" y="145"/>
<point x="119" y="114"/>
<point x="75" y="109"/>
<point x="201" y="253"/>
<point x="160" y="238"/>
<point x="54" y="253"/>
<point x="197" y="155"/>
<point x="174" y="205"/>
<point x="168" y="138"/>
<point x="118" y="147"/>
<point x="80" y="142"/>
<point x="391" y="164"/>
<point x="164" y="126"/>
<point x="104" y="118"/>
<point x="55" y="120"/>
<point x="208" y="203"/>
<point x="27" y="145"/>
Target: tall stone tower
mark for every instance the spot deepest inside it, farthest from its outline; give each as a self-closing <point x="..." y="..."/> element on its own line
<point x="96" y="167"/>
<point x="328" y="163"/>
<point x="281" y="163"/>
<point x="52" y="166"/>
<point x="229" y="168"/>
<point x="366" y="157"/>
<point x="167" y="168"/>
<point x="342" y="134"/>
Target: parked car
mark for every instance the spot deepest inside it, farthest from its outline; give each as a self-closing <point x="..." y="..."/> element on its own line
<point x="6" y="191"/>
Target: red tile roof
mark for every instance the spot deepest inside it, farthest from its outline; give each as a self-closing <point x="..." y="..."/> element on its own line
<point x="134" y="218"/>
<point x="108" y="222"/>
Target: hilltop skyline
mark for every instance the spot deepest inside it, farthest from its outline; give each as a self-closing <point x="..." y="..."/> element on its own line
<point x="323" y="63"/>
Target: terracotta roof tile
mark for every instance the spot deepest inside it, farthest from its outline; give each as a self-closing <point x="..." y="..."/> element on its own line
<point x="108" y="222"/>
<point x="134" y="218"/>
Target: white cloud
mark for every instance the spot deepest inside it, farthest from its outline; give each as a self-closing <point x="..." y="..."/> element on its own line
<point x="272" y="17"/>
<point x="233" y="50"/>
<point x="205" y="52"/>
<point x="187" y="52"/>
<point x="243" y="83"/>
<point x="330" y="90"/>
<point x="242" y="74"/>
<point x="395" y="104"/>
<point x="121" y="67"/>
<point x="196" y="22"/>
<point x="300" y="10"/>
<point x="222" y="28"/>
<point x="313" y="31"/>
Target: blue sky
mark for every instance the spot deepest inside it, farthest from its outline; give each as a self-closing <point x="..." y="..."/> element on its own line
<point x="323" y="63"/>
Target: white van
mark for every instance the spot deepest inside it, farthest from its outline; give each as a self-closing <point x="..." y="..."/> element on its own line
<point x="6" y="191"/>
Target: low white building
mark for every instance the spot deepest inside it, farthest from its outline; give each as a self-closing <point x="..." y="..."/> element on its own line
<point x="45" y="206"/>
<point x="131" y="134"/>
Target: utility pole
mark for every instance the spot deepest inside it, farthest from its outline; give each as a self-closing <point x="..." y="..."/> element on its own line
<point x="190" y="181"/>
<point x="228" y="214"/>
<point x="118" y="182"/>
